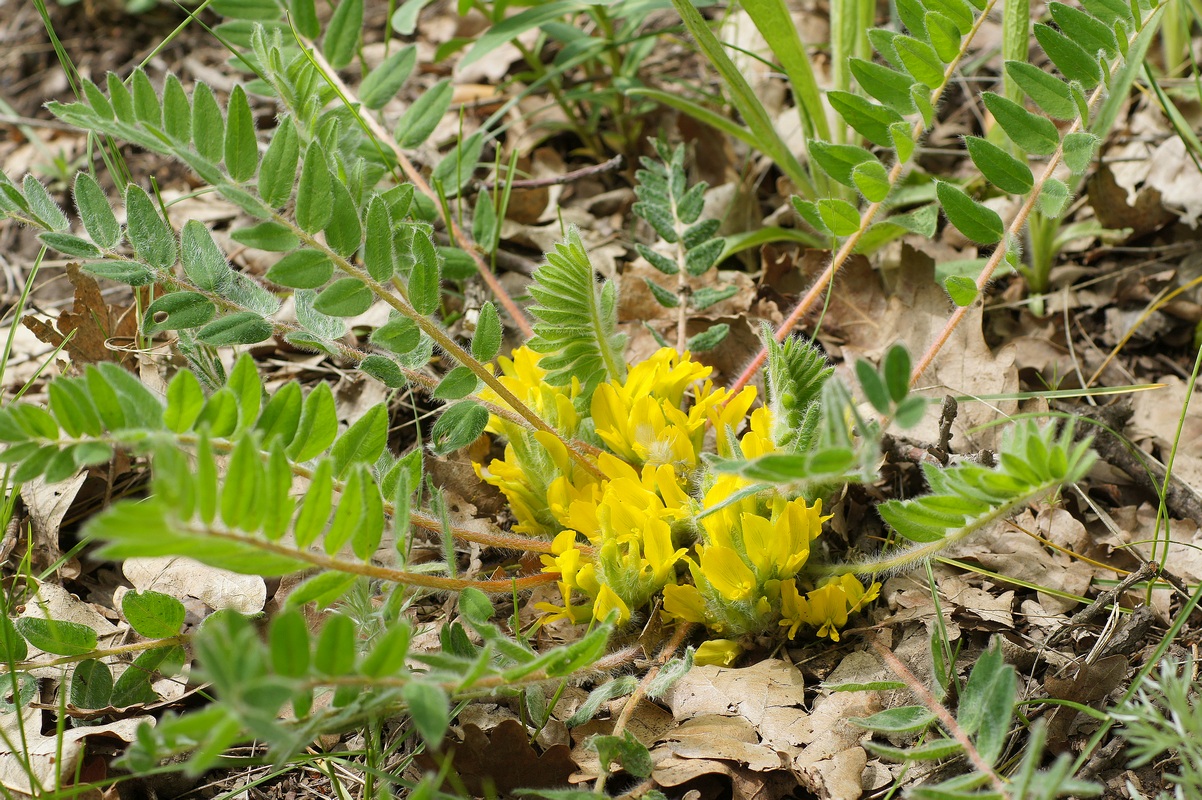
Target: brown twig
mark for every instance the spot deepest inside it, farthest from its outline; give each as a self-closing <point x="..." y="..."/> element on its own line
<point x="557" y="180"/>
<point x="1084" y="616"/>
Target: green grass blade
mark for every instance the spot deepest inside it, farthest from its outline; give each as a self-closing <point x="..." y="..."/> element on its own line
<point x="776" y="26"/>
<point x="744" y="99"/>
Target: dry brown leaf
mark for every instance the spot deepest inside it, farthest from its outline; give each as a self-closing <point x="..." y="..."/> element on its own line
<point x="47" y="504"/>
<point x="831" y="762"/>
<point x="185" y="578"/>
<point x="93" y="321"/>
<point x="503" y="759"/>
<point x="865" y="322"/>
<point x="1005" y="549"/>
<point x="48" y="759"/>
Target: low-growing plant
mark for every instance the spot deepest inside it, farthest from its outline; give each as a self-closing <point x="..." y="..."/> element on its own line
<point x="607" y="466"/>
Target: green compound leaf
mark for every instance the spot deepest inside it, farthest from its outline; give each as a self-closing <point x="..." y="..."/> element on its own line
<point x="486" y="341"/>
<point x="345" y="297"/>
<point x="241" y="144"/>
<point x="146" y="102"/>
<point x="1071" y="58"/>
<point x="889" y="86"/>
<point x="203" y="261"/>
<point x="839" y="216"/>
<point x="278" y="173"/>
<point x="1053" y="198"/>
<point x="152" y="614"/>
<point x="1079" y="149"/>
<point x="838" y="160"/>
<point x="999" y="167"/>
<point x="664" y="297"/>
<point x="868" y="119"/>
<point x="177" y="111"/>
<point x="95" y="212"/>
<point x="1091" y="34"/>
<point x="707" y="296"/>
<point x="961" y="289"/>
<point x="70" y="245"/>
<point x="457" y="384"/>
<point x="708" y="339"/>
<point x="383" y="82"/>
<point x="289" y="644"/>
<point x="421" y="118"/>
<point x="208" y="126"/>
<point x="151" y="237"/>
<point x="91" y="684"/>
<point x="958" y="11"/>
<point x="385" y="370"/>
<point x="400" y="336"/>
<point x="903" y="719"/>
<point x="1049" y="92"/>
<point x="975" y="221"/>
<point x="920" y="60"/>
<point x="318" y="425"/>
<point x="344" y="232"/>
<point x="1031" y="132"/>
<point x="429" y="709"/>
<point x="270" y="236"/>
<point x="315" y="194"/>
<point x="1110" y="11"/>
<point x="872" y="386"/>
<point x="896" y="372"/>
<point x="303" y="269"/>
<point x="458" y="426"/>
<point x="872" y="179"/>
<point x="363" y="442"/>
<point x="944" y="35"/>
<point x="425" y="277"/>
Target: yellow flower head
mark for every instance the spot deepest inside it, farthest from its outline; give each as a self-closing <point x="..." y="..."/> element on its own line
<point x="641" y="419"/>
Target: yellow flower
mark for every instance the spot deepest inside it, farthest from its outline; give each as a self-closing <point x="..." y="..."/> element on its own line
<point x="641" y="419"/>
<point x="827" y="607"/>
<point x="684" y="602"/>
<point x="728" y="414"/>
<point x="607" y="602"/>
<point x="728" y="573"/>
<point x="659" y="557"/>
<point x="721" y="652"/>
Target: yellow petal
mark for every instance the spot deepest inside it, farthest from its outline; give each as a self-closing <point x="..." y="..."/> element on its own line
<point x="720" y="652"/>
<point x="684" y="602"/>
<point x="728" y="573"/>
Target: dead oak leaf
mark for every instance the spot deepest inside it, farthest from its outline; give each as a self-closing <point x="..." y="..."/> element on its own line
<point x="865" y="320"/>
<point x="504" y="760"/>
<point x="92" y="321"/>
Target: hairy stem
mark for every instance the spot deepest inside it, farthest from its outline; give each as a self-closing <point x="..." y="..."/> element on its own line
<point x="845" y="252"/>
<point x="1016" y="225"/>
<point x="377" y="132"/>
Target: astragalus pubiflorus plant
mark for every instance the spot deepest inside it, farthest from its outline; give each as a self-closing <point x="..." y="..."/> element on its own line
<point x="646" y="488"/>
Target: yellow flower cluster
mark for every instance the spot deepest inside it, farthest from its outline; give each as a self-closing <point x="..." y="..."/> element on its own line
<point x="618" y="540"/>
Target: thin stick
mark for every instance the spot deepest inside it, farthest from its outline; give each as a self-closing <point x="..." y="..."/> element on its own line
<point x="557" y="180"/>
